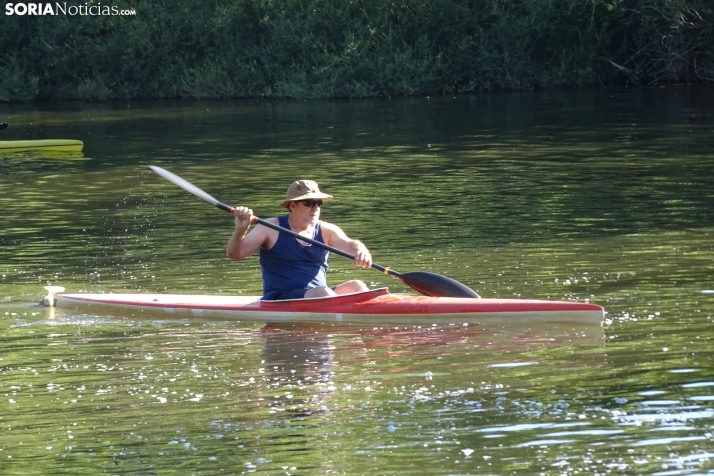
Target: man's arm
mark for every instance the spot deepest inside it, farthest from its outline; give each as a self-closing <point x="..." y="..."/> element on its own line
<point x="241" y="245"/>
<point x="335" y="237"/>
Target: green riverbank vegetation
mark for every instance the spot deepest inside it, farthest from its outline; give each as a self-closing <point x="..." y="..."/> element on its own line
<point x="352" y="48"/>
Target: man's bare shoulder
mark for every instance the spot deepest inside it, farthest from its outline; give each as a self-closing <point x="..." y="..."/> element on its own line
<point x="329" y="226"/>
<point x="326" y="223"/>
<point x="268" y="235"/>
<point x="331" y="232"/>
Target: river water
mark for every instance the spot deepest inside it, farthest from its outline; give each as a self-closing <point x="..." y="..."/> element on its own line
<point x="602" y="195"/>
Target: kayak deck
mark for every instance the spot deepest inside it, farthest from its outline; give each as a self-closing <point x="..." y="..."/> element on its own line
<point x="59" y="145"/>
<point x="376" y="306"/>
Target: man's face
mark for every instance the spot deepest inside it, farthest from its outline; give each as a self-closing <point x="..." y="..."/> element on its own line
<point x="307" y="211"/>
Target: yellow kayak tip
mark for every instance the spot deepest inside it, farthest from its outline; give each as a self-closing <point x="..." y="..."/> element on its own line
<point x="58" y="145"/>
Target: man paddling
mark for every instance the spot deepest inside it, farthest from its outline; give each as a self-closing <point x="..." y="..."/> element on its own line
<point x="293" y="269"/>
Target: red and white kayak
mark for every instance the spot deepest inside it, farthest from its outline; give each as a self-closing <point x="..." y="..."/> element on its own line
<point x="376" y="306"/>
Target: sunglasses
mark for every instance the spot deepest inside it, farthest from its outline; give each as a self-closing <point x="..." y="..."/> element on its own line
<point x="311" y="203"/>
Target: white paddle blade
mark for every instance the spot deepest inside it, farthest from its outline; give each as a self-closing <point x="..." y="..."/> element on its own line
<point x="189" y="187"/>
<point x="51" y="291"/>
<point x="54" y="289"/>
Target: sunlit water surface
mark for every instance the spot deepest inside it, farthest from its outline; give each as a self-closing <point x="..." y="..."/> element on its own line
<point x="599" y="195"/>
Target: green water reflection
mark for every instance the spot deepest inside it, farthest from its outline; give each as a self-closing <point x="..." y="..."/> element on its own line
<point x="594" y="194"/>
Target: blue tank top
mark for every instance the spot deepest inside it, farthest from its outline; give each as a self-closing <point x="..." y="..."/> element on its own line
<point x="290" y="264"/>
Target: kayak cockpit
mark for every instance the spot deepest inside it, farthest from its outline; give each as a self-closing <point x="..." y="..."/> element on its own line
<point x="334" y="300"/>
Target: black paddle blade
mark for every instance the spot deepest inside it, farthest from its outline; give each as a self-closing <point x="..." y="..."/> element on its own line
<point x="3" y="125"/>
<point x="430" y="284"/>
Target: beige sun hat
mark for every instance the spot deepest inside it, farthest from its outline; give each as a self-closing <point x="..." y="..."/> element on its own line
<point x="304" y="190"/>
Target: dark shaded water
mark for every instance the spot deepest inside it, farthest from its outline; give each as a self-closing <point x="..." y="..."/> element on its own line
<point x="597" y="194"/>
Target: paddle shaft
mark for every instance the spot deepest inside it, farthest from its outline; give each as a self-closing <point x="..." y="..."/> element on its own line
<point x="300" y="237"/>
<point x="429" y="284"/>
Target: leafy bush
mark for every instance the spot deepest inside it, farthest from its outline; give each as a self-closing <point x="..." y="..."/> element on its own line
<point x="349" y="48"/>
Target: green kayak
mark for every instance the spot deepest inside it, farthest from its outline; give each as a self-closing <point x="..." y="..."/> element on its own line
<point x="58" y="145"/>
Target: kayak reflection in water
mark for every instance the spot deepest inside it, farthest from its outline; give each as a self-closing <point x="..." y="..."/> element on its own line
<point x="293" y="269"/>
<point x="296" y="358"/>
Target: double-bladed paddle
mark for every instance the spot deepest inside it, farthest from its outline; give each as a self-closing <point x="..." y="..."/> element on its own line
<point x="429" y="284"/>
